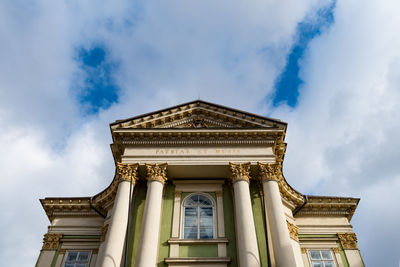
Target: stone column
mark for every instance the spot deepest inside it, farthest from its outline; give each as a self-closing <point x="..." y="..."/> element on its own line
<point x="246" y="232"/>
<point x="113" y="245"/>
<point x="150" y="235"/>
<point x="283" y="251"/>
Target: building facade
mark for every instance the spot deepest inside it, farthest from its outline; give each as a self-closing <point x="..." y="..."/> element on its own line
<point x="199" y="184"/>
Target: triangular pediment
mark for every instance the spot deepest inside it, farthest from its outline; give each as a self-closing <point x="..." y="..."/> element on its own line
<point x="198" y="114"/>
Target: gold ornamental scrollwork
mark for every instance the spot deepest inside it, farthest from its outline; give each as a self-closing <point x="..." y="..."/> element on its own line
<point x="293" y="231"/>
<point x="51" y="241"/>
<point x="270" y="171"/>
<point x="348" y="240"/>
<point x="127" y="172"/>
<point x="157" y="172"/>
<point x="240" y="172"/>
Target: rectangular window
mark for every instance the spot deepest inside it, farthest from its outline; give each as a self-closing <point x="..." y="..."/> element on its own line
<point x="321" y="258"/>
<point x="77" y="259"/>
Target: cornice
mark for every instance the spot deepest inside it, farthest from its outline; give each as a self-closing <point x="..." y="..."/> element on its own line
<point x="67" y="206"/>
<point x="329" y="206"/>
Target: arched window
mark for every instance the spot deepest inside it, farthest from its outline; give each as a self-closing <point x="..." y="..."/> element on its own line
<point x="198" y="217"/>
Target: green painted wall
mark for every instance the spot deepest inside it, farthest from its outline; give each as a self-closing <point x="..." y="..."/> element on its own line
<point x="208" y="250"/>
<point x="229" y="221"/>
<point x="259" y="222"/>
<point x="136" y="221"/>
<point x="166" y="225"/>
<point x="343" y="255"/>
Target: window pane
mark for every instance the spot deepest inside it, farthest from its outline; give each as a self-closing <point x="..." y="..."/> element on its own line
<point x="69" y="265"/>
<point x="206" y="232"/>
<point x="315" y="255"/>
<point x="204" y="201"/>
<point x="83" y="256"/>
<point x="80" y="265"/>
<point x="72" y="256"/>
<point x="190" y="232"/>
<point x="326" y="254"/>
<point x="317" y="264"/>
<point x="329" y="264"/>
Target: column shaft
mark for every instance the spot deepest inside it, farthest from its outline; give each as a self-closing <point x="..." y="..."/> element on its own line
<point x="283" y="251"/>
<point x="246" y="231"/>
<point x="148" y="249"/>
<point x="114" y="243"/>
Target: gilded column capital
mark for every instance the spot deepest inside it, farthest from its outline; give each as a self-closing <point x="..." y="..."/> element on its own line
<point x="127" y="172"/>
<point x="348" y="240"/>
<point x="293" y="231"/>
<point x="51" y="241"/>
<point x="157" y="172"/>
<point x="269" y="171"/>
<point x="240" y="172"/>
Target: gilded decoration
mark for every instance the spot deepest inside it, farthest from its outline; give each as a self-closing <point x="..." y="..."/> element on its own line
<point x="270" y="171"/>
<point x="51" y="241"/>
<point x="348" y="240"/>
<point x="293" y="231"/>
<point x="104" y="230"/>
<point x="240" y="172"/>
<point x="157" y="172"/>
<point x="303" y="250"/>
<point x="335" y="250"/>
<point x="127" y="172"/>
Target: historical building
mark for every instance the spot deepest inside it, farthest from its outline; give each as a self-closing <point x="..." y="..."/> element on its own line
<point x="199" y="184"/>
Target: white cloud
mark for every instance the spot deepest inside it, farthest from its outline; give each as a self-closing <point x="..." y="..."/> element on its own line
<point x="343" y="136"/>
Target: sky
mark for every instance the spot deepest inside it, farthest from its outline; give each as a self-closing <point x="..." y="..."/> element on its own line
<point x="331" y="69"/>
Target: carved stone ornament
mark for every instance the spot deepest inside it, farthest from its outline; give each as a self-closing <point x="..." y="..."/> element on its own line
<point x="348" y="240"/>
<point x="303" y="250"/>
<point x="51" y="241"/>
<point x="240" y="172"/>
<point x="157" y="172"/>
<point x="293" y="231"/>
<point x="335" y="250"/>
<point x="126" y="172"/>
<point x="104" y="230"/>
<point x="270" y="171"/>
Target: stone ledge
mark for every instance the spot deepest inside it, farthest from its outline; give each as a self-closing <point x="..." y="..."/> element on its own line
<point x="197" y="241"/>
<point x="198" y="260"/>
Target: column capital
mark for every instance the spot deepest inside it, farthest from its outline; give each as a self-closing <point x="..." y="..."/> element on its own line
<point x="127" y="172"/>
<point x="270" y="171"/>
<point x="157" y="172"/>
<point x="51" y="241"/>
<point x="293" y="231"/>
<point x="348" y="240"/>
<point x="240" y="172"/>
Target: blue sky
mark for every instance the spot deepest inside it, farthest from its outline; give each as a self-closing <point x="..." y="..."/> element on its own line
<point x="331" y="69"/>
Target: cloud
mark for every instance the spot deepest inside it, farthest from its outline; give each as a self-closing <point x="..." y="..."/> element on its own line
<point x="345" y="126"/>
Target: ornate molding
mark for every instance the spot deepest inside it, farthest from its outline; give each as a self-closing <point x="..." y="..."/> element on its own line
<point x="51" y="241"/>
<point x="104" y="230"/>
<point x="240" y="172"/>
<point x="335" y="250"/>
<point x="303" y="251"/>
<point x="157" y="172"/>
<point x="293" y="231"/>
<point x="270" y="171"/>
<point x="127" y="172"/>
<point x="348" y="240"/>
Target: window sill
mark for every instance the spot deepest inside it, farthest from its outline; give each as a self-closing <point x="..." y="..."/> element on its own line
<point x="197" y="241"/>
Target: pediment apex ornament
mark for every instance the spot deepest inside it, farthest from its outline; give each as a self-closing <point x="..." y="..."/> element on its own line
<point x="240" y="172"/>
<point x="127" y="172"/>
<point x="348" y="240"/>
<point x="270" y="171"/>
<point x="157" y="172"/>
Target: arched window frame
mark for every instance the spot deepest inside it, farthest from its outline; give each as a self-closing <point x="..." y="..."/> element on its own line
<point x="208" y="196"/>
